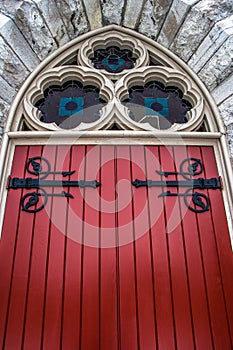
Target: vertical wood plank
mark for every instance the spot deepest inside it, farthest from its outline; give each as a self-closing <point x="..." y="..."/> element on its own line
<point x="54" y="283"/>
<point x="180" y="293"/>
<point x="89" y="337"/>
<point x="73" y="267"/>
<point x="144" y="273"/>
<point x="222" y="324"/>
<point x="127" y="270"/>
<point x="194" y="263"/>
<point x="161" y="268"/>
<point x="14" y="335"/>
<point x="108" y="264"/>
<point x="212" y="269"/>
<point x="8" y="242"/>
<point x="37" y="283"/>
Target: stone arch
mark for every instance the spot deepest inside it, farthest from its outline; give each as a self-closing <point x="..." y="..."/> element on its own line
<point x="30" y="132"/>
<point x="199" y="32"/>
<point x="145" y="49"/>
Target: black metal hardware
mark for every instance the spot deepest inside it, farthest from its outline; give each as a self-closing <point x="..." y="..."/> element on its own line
<point x="194" y="167"/>
<point x="40" y="167"/>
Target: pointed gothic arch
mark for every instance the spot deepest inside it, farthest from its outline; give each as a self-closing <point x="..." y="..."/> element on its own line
<point x="122" y="141"/>
<point x="148" y="54"/>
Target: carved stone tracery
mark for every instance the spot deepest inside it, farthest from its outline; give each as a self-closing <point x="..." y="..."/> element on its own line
<point x="148" y="65"/>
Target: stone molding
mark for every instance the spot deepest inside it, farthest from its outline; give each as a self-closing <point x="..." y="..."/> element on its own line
<point x="113" y="38"/>
<point x="199" y="31"/>
<point x="55" y="71"/>
<point x="166" y="76"/>
<point x="58" y="76"/>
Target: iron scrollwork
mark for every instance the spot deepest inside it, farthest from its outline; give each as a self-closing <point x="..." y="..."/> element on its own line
<point x="40" y="167"/>
<point x="200" y="201"/>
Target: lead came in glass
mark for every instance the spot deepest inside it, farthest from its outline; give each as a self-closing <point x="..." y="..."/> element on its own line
<point x="113" y="60"/>
<point x="70" y="104"/>
<point x="157" y="105"/>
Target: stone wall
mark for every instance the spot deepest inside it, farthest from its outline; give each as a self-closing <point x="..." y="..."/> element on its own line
<point x="199" y="32"/>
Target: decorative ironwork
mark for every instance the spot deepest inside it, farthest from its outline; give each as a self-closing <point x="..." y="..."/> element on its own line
<point x="158" y="105"/>
<point x="70" y="104"/>
<point x="194" y="168"/>
<point x="113" y="60"/>
<point x="41" y="167"/>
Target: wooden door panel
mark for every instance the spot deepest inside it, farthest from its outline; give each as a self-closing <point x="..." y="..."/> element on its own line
<point x="177" y="258"/>
<point x="115" y="266"/>
<point x="144" y="276"/>
<point x="127" y="304"/>
<point x="71" y="324"/>
<point x="198" y="300"/>
<point x="160" y="257"/>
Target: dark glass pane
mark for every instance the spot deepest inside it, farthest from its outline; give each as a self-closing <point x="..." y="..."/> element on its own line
<point x="113" y="60"/>
<point x="157" y="105"/>
<point x="70" y="104"/>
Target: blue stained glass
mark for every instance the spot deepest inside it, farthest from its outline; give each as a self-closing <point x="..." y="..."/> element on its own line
<point x="164" y="104"/>
<point x="70" y="106"/>
<point x="113" y="62"/>
<point x="113" y="59"/>
<point x="156" y="106"/>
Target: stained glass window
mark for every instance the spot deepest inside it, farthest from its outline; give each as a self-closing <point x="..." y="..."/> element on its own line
<point x="70" y="104"/>
<point x="113" y="60"/>
<point x="160" y="106"/>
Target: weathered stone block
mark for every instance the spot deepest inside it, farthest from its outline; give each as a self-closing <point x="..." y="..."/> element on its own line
<point x="226" y="110"/>
<point x="174" y="20"/>
<point x="7" y="92"/>
<point x="224" y="90"/>
<point x="153" y="16"/>
<point x="54" y="21"/>
<point x="4" y="108"/>
<point x="17" y="42"/>
<point x="11" y="68"/>
<point x="112" y="11"/>
<point x="212" y="42"/>
<point x="197" y="25"/>
<point x="132" y="13"/>
<point x="73" y="16"/>
<point x="230" y="140"/>
<point x="32" y="25"/>
<point x="93" y="12"/>
<point x="219" y="67"/>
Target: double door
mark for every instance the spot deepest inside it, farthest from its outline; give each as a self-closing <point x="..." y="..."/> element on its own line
<point x="115" y="247"/>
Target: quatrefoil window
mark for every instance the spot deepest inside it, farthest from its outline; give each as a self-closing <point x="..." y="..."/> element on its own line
<point x="158" y="105"/>
<point x="70" y="104"/>
<point x="113" y="60"/>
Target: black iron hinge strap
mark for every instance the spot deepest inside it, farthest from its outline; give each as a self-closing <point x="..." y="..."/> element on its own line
<point x="29" y="183"/>
<point x="213" y="183"/>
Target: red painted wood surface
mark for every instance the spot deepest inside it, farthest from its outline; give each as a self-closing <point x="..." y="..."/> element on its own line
<point x="115" y="267"/>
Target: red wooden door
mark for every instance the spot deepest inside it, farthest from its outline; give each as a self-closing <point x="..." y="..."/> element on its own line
<point x="114" y="266"/>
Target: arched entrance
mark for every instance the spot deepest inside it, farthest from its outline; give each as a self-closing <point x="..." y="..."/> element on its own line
<point x="116" y="211"/>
